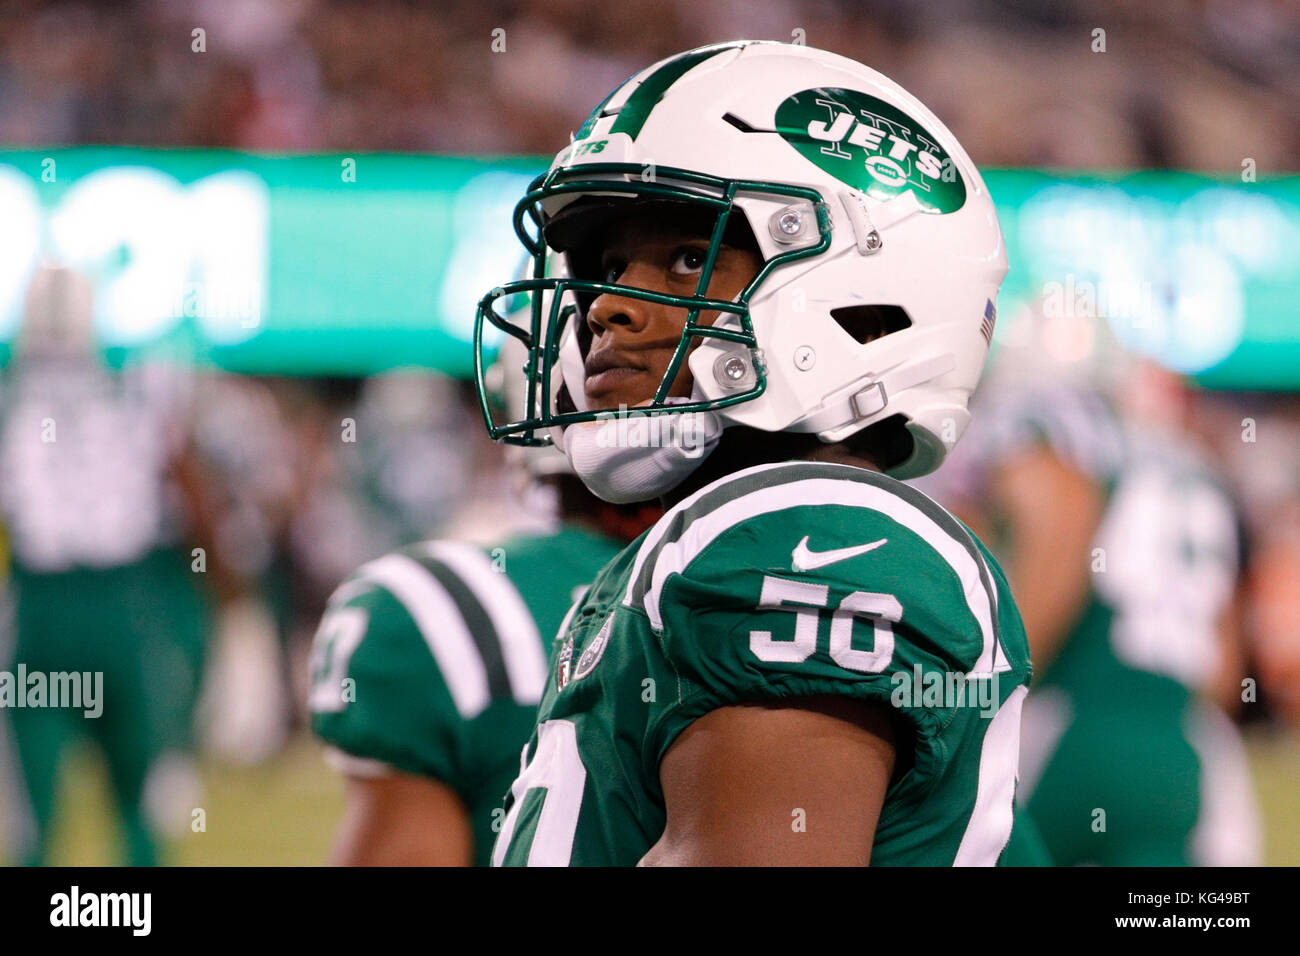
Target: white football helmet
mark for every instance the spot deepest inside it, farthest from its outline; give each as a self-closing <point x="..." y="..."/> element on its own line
<point x="883" y="254"/>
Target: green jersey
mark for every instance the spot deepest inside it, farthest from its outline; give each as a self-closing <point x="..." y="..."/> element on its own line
<point x="431" y="660"/>
<point x="1115" y="726"/>
<point x="782" y="581"/>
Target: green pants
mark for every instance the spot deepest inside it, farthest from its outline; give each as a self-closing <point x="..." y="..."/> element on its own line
<point x="141" y="626"/>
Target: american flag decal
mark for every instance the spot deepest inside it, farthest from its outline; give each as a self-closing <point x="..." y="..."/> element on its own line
<point x="986" y="323"/>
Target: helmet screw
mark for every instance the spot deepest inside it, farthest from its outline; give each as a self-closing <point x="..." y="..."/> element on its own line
<point x="735" y="369"/>
<point x="873" y="242"/>
<point x="790" y="223"/>
<point x="804" y="358"/>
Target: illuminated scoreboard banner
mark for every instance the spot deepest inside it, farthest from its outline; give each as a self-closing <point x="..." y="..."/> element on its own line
<point x="1201" y="274"/>
<point x="298" y="265"/>
<point x="352" y="264"/>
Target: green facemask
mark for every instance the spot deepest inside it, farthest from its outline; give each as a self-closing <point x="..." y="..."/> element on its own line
<point x="543" y="330"/>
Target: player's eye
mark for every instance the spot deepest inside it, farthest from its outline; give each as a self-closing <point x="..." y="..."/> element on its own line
<point x="687" y="260"/>
<point x="612" y="269"/>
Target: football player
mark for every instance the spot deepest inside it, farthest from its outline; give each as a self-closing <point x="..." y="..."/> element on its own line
<point x="100" y="491"/>
<point x="772" y="275"/>
<point x="428" y="666"/>
<point x="1123" y="549"/>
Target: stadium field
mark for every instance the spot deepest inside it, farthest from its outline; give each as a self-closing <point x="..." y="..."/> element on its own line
<point x="283" y="813"/>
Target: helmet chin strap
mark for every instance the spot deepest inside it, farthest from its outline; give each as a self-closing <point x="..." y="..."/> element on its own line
<point x="638" y="457"/>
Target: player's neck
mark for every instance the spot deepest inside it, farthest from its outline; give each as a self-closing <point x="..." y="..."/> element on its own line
<point x="579" y="506"/>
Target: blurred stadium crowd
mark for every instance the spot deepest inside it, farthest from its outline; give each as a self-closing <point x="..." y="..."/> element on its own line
<point x="261" y="472"/>
<point x="1193" y="81"/>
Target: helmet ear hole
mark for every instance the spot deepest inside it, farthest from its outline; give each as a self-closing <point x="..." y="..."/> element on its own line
<point x="865" y="323"/>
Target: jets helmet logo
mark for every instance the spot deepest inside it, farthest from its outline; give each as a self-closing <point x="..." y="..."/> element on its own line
<point x="871" y="145"/>
<point x="595" y="650"/>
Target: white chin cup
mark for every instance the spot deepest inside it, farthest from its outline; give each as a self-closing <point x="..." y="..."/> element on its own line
<point x="636" y="457"/>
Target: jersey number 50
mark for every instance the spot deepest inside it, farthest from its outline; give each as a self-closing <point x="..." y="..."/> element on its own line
<point x="883" y="610"/>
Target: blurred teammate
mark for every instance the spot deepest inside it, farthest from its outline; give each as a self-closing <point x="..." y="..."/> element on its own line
<point x="428" y="667"/>
<point x="1122" y="549"/>
<point x="96" y="485"/>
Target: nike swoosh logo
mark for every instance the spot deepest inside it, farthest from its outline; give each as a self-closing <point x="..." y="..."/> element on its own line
<point x="801" y="559"/>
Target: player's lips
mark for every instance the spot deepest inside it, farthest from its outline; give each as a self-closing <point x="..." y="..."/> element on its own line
<point x="608" y="369"/>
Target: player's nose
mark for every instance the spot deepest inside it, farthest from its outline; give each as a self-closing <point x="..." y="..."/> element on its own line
<point x="611" y="310"/>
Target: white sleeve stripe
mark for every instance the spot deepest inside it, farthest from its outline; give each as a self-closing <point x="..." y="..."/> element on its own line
<point x="676" y="556"/>
<point x="661" y="527"/>
<point x="521" y="644"/>
<point x="440" y="624"/>
<point x="992" y="817"/>
<point x="1000" y="662"/>
<point x="349" y="589"/>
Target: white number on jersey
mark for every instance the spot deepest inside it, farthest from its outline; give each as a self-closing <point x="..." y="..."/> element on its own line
<point x="1170" y="568"/>
<point x="556" y="768"/>
<point x="882" y="610"/>
<point x="337" y="638"/>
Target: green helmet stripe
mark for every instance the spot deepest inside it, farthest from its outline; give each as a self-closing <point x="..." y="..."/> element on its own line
<point x="590" y="124"/>
<point x="634" y="113"/>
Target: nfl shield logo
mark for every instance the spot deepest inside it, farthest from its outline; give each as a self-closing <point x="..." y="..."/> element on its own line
<point x="564" y="665"/>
